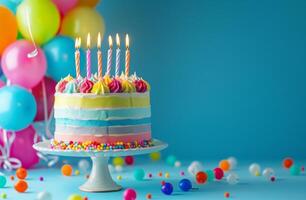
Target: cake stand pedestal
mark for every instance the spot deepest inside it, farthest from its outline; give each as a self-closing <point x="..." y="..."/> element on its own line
<point x="100" y="179"/>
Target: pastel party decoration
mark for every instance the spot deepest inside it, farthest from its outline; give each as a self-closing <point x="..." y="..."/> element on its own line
<point x="64" y="6"/>
<point x="129" y="194"/>
<point x="9" y="33"/>
<point x="20" y="68"/>
<point x="83" y="20"/>
<point x="42" y="18"/>
<point x="44" y="97"/>
<point x="23" y="142"/>
<point x="60" y="57"/>
<point x="18" y="108"/>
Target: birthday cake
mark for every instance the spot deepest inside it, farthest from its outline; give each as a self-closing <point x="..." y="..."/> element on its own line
<point x="98" y="112"/>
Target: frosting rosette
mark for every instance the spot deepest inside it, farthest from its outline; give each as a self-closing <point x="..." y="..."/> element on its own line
<point x="127" y="86"/>
<point x="115" y="86"/>
<point x="61" y="85"/>
<point x="68" y="78"/>
<point x="86" y="86"/>
<point x="100" y="88"/>
<point x="71" y="87"/>
<point x="107" y="79"/>
<point x="140" y="85"/>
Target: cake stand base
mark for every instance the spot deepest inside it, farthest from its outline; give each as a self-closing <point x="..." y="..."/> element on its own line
<point x="100" y="179"/>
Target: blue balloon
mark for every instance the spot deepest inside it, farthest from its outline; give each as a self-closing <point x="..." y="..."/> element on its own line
<point x="60" y="57"/>
<point x="185" y="185"/>
<point x="10" y="4"/>
<point x="17" y="108"/>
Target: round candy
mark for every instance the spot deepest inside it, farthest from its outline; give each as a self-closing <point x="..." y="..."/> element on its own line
<point x="21" y="186"/>
<point x="118" y="168"/>
<point x="177" y="163"/>
<point x="77" y="172"/>
<point x="118" y="161"/>
<point x="268" y="172"/>
<point x="195" y="167"/>
<point x="295" y="170"/>
<point x="155" y="156"/>
<point x="232" y="178"/>
<point x="185" y="185"/>
<point x="41" y="178"/>
<point x="75" y="197"/>
<point x="84" y="165"/>
<point x="171" y="160"/>
<point x="149" y="196"/>
<point x="139" y="174"/>
<point x="129" y="194"/>
<point x="167" y="188"/>
<point x="233" y="162"/>
<point x="44" y="196"/>
<point x="210" y="175"/>
<point x="66" y="170"/>
<point x="287" y="162"/>
<point x="167" y="175"/>
<point x="224" y="165"/>
<point x="129" y="160"/>
<point x="182" y="173"/>
<point x="254" y="169"/>
<point x="201" y="177"/>
<point x="218" y="173"/>
<point x="3" y="195"/>
<point x="21" y="173"/>
<point x="119" y="177"/>
<point x="2" y="180"/>
<point x="272" y="178"/>
<point x="150" y="175"/>
<point x="226" y="194"/>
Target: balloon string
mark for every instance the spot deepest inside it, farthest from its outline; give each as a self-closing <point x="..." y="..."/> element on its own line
<point x="35" y="51"/>
<point x="48" y="134"/>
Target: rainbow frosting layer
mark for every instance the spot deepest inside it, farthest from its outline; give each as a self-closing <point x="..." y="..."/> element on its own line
<point x="91" y="114"/>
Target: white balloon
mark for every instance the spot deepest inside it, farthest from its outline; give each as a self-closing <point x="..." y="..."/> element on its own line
<point x="84" y="165"/>
<point x="268" y="172"/>
<point x="254" y="169"/>
<point x="195" y="167"/>
<point x="44" y="196"/>
<point x="177" y="164"/>
<point x="233" y="162"/>
<point x="232" y="178"/>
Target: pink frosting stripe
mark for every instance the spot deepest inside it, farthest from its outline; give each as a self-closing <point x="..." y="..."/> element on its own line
<point x="103" y="139"/>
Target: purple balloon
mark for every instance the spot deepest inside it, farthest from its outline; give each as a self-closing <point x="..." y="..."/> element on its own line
<point x="22" y="148"/>
<point x="22" y="69"/>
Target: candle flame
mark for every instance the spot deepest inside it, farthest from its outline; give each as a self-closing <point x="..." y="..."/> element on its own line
<point x="77" y="42"/>
<point x="118" y="40"/>
<point x="99" y="41"/>
<point x="110" y="41"/>
<point x="127" y="41"/>
<point x="88" y="40"/>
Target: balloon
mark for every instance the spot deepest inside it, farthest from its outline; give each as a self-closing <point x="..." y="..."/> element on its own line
<point x="90" y="3"/>
<point x="8" y="28"/>
<point x="81" y="21"/>
<point x="17" y="108"/>
<point x="22" y="148"/>
<point x="21" y="69"/>
<point x="60" y="57"/>
<point x="2" y="84"/>
<point x="11" y="5"/>
<point x="37" y="91"/>
<point x="44" y="19"/>
<point x="64" y="6"/>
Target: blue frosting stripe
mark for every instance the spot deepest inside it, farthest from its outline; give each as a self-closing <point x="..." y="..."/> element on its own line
<point x="95" y="123"/>
<point x="100" y="114"/>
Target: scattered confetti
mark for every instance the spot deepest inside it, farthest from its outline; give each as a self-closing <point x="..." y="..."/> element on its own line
<point x="295" y="170"/>
<point x="177" y="164"/>
<point x="160" y="174"/>
<point x="195" y="167"/>
<point x="182" y="173"/>
<point x="150" y="175"/>
<point x="272" y="178"/>
<point x="12" y="178"/>
<point x="268" y="172"/>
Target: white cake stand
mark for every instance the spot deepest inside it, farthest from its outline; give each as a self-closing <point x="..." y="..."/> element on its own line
<point x="100" y="179"/>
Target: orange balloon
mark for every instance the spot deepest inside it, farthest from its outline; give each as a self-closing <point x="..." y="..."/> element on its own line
<point x="8" y="30"/>
<point x="91" y="3"/>
<point x="224" y="165"/>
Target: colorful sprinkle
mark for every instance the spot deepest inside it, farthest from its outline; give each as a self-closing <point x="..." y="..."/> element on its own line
<point x="167" y="175"/>
<point x="77" y="172"/>
<point x="149" y="196"/>
<point x="41" y="178"/>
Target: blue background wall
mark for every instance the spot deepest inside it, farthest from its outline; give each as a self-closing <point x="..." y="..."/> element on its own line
<point x="227" y="76"/>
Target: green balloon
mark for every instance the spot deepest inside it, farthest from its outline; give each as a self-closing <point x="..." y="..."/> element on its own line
<point x="41" y="16"/>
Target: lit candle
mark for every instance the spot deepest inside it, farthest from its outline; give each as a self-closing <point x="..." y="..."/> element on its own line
<point x="127" y="56"/>
<point x="109" y="55"/>
<point x="77" y="56"/>
<point x="99" y="54"/>
<point x="117" y="56"/>
<point x="88" y="56"/>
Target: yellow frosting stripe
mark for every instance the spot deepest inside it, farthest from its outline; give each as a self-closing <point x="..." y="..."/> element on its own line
<point x="101" y="102"/>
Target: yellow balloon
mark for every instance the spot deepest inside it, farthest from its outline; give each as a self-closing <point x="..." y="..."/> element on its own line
<point x="44" y="20"/>
<point x="81" y="21"/>
<point x="91" y="3"/>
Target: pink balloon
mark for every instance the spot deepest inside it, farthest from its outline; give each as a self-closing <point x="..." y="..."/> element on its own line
<point x="65" y="5"/>
<point x="2" y="84"/>
<point x="37" y="92"/>
<point x="20" y="68"/>
<point x="22" y="148"/>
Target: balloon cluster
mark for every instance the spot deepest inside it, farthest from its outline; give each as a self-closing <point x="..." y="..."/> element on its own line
<point x="36" y="49"/>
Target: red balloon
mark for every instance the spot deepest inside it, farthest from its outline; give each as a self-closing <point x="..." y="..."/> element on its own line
<point x="37" y="92"/>
<point x="218" y="173"/>
<point x="21" y="147"/>
<point x="129" y="160"/>
<point x="201" y="177"/>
